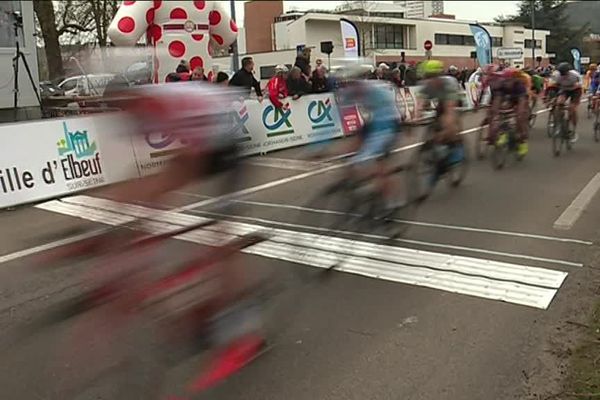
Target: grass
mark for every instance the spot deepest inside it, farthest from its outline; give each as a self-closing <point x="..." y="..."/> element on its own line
<point x="583" y="382"/>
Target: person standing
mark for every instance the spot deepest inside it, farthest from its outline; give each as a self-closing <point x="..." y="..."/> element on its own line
<point x="277" y="86"/>
<point x="245" y="78"/>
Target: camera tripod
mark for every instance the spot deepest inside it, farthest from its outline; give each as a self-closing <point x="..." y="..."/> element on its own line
<point x="20" y="55"/>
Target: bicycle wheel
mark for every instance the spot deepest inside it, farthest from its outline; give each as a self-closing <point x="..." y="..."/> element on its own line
<point x="426" y="172"/>
<point x="500" y="151"/>
<point x="481" y="143"/>
<point x="568" y="135"/>
<point x="532" y="118"/>
<point x="458" y="171"/>
<point x="550" y="125"/>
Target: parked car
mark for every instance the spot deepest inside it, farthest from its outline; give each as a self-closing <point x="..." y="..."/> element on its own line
<point x="85" y="85"/>
<point x="49" y="89"/>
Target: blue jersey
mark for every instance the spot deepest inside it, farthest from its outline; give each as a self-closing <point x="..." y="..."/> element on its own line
<point x="595" y="82"/>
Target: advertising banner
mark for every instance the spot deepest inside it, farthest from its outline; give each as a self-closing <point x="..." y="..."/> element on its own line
<point x="483" y="44"/>
<point x="47" y="159"/>
<point x="350" y="38"/>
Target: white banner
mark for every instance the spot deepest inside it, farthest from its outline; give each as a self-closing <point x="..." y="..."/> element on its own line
<point x="53" y="158"/>
<point x="50" y="158"/>
<point x="349" y="38"/>
<point x="264" y="128"/>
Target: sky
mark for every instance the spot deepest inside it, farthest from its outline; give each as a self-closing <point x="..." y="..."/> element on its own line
<point x="482" y="11"/>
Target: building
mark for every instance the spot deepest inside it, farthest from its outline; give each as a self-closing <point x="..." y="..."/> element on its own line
<point x="386" y="35"/>
<point x="421" y="9"/>
<point x="27" y="101"/>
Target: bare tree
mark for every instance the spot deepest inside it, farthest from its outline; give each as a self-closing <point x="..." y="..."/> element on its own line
<point x="75" y="23"/>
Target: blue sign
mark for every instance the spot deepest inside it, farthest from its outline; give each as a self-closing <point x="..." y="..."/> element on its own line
<point x="483" y="44"/>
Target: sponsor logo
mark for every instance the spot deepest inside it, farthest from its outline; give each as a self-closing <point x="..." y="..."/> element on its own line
<point x="241" y="117"/>
<point x="319" y="113"/>
<point x="277" y="121"/>
<point x="350" y="43"/>
<point x="482" y="39"/>
<point x="79" y="157"/>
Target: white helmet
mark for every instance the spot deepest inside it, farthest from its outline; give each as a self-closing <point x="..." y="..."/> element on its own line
<point x="281" y="68"/>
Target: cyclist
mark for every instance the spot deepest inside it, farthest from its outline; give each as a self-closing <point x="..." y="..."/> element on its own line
<point x="570" y="88"/>
<point x="444" y="91"/>
<point x="587" y="79"/>
<point x="382" y="122"/>
<point x="595" y="90"/>
<point x="196" y="119"/>
<point x="537" y="86"/>
<point x="509" y="92"/>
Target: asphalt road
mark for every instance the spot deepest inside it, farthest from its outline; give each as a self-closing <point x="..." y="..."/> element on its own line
<point x="465" y="306"/>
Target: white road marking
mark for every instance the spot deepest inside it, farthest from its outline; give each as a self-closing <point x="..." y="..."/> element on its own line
<point x="513" y="283"/>
<point x="568" y="218"/>
<point x="283" y="181"/>
<point x="283" y="163"/>
<point x="416" y="223"/>
<point x="409" y="241"/>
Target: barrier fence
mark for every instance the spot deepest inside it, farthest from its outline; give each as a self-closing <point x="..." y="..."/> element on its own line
<point x="56" y="157"/>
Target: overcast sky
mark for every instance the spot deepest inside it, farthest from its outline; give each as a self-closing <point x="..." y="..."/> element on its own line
<point x="483" y="11"/>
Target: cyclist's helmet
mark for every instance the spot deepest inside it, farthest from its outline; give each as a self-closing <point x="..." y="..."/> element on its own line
<point x="452" y="69"/>
<point x="564" y="68"/>
<point x="431" y="68"/>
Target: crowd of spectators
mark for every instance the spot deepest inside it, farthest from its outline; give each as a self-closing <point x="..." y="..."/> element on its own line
<point x="302" y="79"/>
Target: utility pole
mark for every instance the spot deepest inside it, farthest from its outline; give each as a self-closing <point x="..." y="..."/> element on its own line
<point x="235" y="62"/>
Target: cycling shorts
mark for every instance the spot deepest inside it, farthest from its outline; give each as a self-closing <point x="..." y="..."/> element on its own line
<point x="377" y="145"/>
<point x="574" y="95"/>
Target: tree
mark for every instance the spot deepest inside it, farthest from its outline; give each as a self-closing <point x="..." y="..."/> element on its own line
<point x="551" y="15"/>
<point x="47" y="20"/>
<point x="73" y="22"/>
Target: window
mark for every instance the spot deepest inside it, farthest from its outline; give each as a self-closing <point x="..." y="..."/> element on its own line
<point x="496" y="42"/>
<point x="538" y="44"/>
<point x="389" y="37"/>
<point x="7" y="23"/>
<point x="469" y="40"/>
<point x="441" y="38"/>
<point x="455" y="40"/>
<point x="69" y="84"/>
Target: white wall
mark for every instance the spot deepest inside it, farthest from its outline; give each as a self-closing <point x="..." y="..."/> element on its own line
<point x="26" y="94"/>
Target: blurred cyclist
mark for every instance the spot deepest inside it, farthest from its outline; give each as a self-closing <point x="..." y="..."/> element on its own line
<point x="442" y="90"/>
<point x="509" y="92"/>
<point x="199" y="119"/>
<point x="570" y="88"/>
<point x="377" y="103"/>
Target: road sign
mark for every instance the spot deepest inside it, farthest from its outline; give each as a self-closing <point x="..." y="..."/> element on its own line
<point x="585" y="60"/>
<point x="510" y="53"/>
<point x="428" y="45"/>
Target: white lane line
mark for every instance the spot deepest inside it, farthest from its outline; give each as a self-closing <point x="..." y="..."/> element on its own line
<point x="568" y="218"/>
<point x="409" y="241"/>
<point x="283" y="163"/>
<point x="48" y="246"/>
<point x="283" y="181"/>
<point x="494" y="280"/>
<point x="333" y="244"/>
<point x="416" y="223"/>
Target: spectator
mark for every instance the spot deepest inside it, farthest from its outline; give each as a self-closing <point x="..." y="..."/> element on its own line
<point x="277" y="86"/>
<point x="303" y="62"/>
<point x="222" y="78"/>
<point x="183" y="67"/>
<point x="245" y="78"/>
<point x="318" y="63"/>
<point x="381" y="71"/>
<point x="174" y="77"/>
<point x="198" y="75"/>
<point x="320" y="82"/>
<point x="296" y="84"/>
<point x="396" y="77"/>
<point x="410" y="78"/>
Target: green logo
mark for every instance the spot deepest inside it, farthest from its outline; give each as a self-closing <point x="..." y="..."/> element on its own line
<point x="275" y="119"/>
<point x="76" y="142"/>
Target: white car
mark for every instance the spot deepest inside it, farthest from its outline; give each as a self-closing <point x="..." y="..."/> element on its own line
<point x="85" y="85"/>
